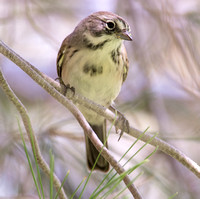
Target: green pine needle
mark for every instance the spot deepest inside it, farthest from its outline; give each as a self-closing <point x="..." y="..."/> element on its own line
<point x="35" y="158"/>
<point x="51" y="173"/>
<point x="29" y="161"/>
<point x="171" y="197"/>
<point x="115" y="181"/>
<point x="64" y="180"/>
<point x="126" y="187"/>
<point x="77" y="188"/>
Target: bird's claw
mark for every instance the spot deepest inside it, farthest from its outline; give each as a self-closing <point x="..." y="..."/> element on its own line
<point x="122" y="121"/>
<point x="68" y="91"/>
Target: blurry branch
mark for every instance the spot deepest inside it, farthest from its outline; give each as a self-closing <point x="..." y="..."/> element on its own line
<point x="48" y="84"/>
<point x="27" y="124"/>
<point x="183" y="44"/>
<point x="189" y="53"/>
<point x="45" y="34"/>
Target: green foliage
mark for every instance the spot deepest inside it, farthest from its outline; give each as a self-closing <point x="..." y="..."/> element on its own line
<point x="30" y="164"/>
<point x="103" y="190"/>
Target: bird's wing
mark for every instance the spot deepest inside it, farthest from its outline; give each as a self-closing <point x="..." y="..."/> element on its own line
<point x="126" y="63"/>
<point x="61" y="57"/>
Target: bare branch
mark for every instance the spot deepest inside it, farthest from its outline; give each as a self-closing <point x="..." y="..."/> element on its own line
<point x="163" y="146"/>
<point x="47" y="83"/>
<point x="52" y="87"/>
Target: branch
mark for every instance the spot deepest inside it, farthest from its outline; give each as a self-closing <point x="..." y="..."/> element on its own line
<point x="55" y="90"/>
<point x="48" y="84"/>
<point x="36" y="75"/>
<point x="26" y="120"/>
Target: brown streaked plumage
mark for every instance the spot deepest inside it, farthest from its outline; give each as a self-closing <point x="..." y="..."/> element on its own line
<point x="93" y="60"/>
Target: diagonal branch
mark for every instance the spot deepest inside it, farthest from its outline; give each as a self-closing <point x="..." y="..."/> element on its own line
<point x="38" y="76"/>
<point x="48" y="84"/>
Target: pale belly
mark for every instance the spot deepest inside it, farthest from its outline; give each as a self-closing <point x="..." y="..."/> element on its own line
<point x="95" y="77"/>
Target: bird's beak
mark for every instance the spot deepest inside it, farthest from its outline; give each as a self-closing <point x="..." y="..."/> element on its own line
<point x="125" y="35"/>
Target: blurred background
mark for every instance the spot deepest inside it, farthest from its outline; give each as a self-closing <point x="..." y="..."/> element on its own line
<point x="162" y="92"/>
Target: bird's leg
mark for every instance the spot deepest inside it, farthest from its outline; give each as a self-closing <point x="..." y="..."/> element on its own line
<point x="67" y="90"/>
<point x="121" y="119"/>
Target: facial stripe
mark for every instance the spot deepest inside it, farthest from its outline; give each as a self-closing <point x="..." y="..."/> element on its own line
<point x="92" y="46"/>
<point x="121" y="24"/>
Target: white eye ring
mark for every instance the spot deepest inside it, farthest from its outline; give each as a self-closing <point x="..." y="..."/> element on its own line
<point x="110" y="25"/>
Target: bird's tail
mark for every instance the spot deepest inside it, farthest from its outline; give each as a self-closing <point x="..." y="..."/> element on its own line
<point x="92" y="152"/>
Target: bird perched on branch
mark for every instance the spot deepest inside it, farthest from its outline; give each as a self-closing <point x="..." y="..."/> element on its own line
<point x="93" y="60"/>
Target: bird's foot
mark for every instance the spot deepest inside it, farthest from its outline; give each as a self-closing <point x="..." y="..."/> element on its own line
<point x="68" y="91"/>
<point x="122" y="122"/>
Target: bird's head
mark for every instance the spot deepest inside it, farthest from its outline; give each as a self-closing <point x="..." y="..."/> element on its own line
<point x="104" y="26"/>
<point x="112" y="25"/>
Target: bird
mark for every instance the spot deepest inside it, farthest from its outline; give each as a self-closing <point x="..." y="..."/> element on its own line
<point x="93" y="60"/>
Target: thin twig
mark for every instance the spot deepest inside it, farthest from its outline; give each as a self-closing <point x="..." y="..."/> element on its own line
<point x="27" y="124"/>
<point x="42" y="81"/>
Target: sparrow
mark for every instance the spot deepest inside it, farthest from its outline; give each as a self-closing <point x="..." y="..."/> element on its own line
<point x="93" y="60"/>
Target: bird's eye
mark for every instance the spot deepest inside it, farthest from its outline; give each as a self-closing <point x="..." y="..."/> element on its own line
<point x="110" y="25"/>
